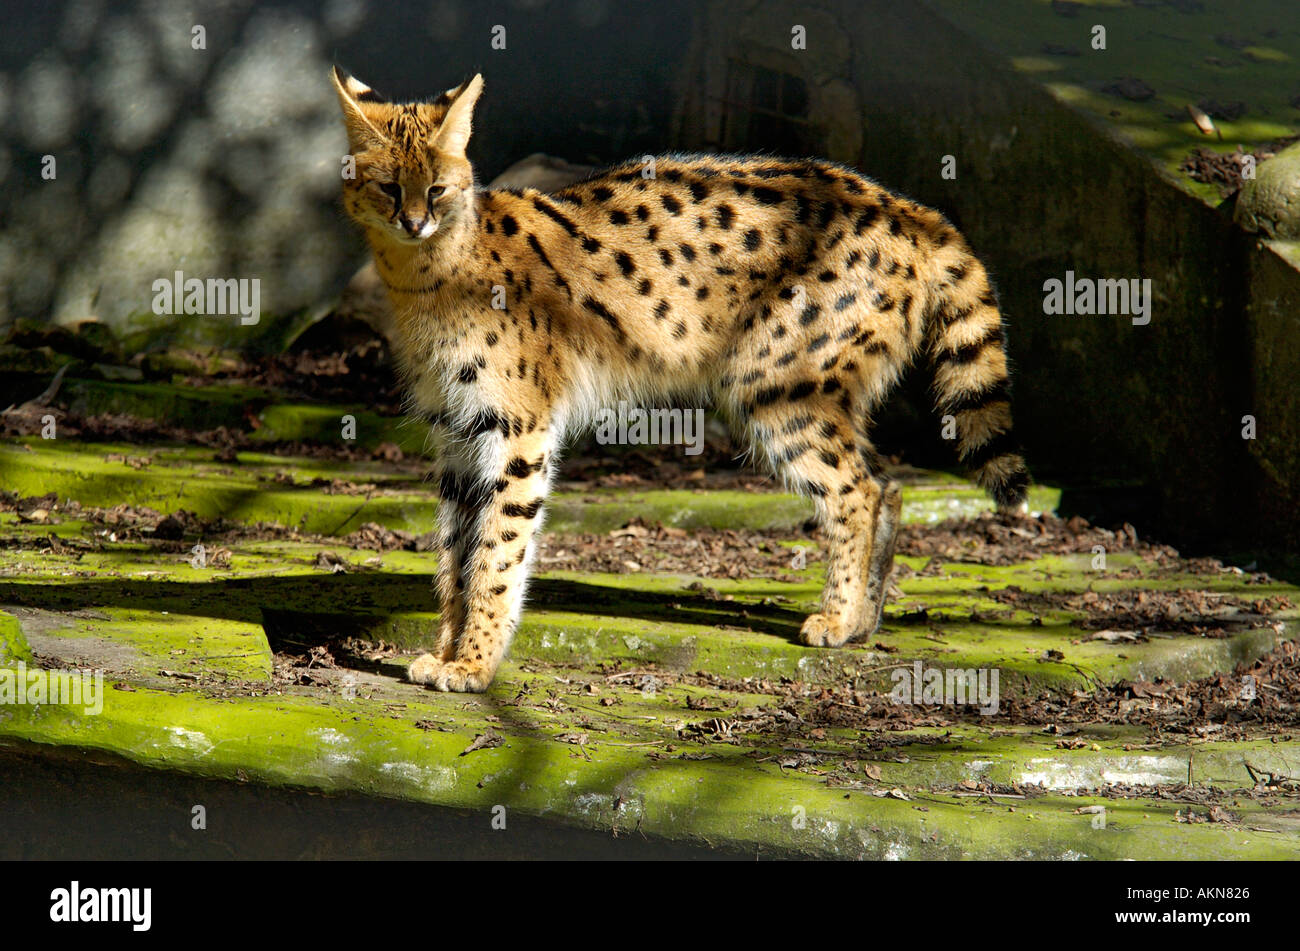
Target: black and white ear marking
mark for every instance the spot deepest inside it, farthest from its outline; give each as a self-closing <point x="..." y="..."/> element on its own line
<point x="448" y="97"/>
<point x="352" y="92"/>
<point x="356" y="88"/>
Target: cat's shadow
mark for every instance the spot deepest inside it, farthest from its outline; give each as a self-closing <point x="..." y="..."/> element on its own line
<point x="302" y="611"/>
<point x="688" y="606"/>
<point x="308" y="619"/>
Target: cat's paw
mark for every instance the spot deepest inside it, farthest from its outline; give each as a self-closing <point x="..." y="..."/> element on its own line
<point x="455" y="676"/>
<point x="422" y="669"/>
<point x="821" y="630"/>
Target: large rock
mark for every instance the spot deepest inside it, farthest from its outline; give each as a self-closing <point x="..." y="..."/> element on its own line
<point x="544" y="172"/>
<point x="1270" y="202"/>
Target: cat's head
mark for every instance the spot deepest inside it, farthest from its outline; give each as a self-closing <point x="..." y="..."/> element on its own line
<point x="412" y="178"/>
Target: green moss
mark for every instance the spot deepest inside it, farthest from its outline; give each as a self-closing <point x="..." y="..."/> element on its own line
<point x="1175" y="53"/>
<point x="145" y="331"/>
<point x="193" y="407"/>
<point x="244" y="491"/>
<point x="149" y="644"/>
<point x="248" y="490"/>
<point x="240" y="408"/>
<point x="325" y="424"/>
<point x="608" y="782"/>
<point x="748" y="629"/>
<point x="192" y="648"/>
<point x="13" y="646"/>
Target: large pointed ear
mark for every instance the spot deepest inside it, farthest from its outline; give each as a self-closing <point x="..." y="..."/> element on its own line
<point x="361" y="131"/>
<point x="453" y="135"/>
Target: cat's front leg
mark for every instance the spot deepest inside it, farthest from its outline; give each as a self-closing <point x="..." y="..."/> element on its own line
<point x="458" y="509"/>
<point x="456" y="519"/>
<point x="507" y="493"/>
<point x="458" y="512"/>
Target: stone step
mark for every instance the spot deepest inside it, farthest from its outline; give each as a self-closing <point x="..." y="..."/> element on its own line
<point x="246" y="491"/>
<point x="625" y="700"/>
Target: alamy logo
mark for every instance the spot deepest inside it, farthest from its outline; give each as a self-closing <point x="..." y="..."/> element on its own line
<point x="947" y="685"/>
<point x="72" y="904"/>
<point x="214" y="297"/>
<point x="634" y="426"/>
<point x="73" y="688"/>
<point x="1086" y="296"/>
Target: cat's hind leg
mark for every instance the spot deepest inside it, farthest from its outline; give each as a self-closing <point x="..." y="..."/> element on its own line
<point x="812" y="446"/>
<point x="881" y="563"/>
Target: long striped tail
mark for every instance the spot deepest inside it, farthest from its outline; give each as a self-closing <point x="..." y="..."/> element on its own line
<point x="972" y="382"/>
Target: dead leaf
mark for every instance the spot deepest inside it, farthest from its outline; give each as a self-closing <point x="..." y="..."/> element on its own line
<point x="1112" y="637"/>
<point x="484" y="741"/>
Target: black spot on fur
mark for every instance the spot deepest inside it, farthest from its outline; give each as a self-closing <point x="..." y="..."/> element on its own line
<point x="601" y="311"/>
<point x="556" y="215"/>
<point x="541" y="254"/>
<point x="515" y="510"/>
<point x="521" y="468"/>
<point x="865" y="219"/>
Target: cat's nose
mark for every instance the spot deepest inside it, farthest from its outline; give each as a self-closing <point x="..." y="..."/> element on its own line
<point x="414" y="226"/>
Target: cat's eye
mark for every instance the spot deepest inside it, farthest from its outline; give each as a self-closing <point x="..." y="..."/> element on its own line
<point x="436" y="192"/>
<point x="391" y="189"/>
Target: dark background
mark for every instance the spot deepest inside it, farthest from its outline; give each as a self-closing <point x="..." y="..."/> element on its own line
<point x="225" y="161"/>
